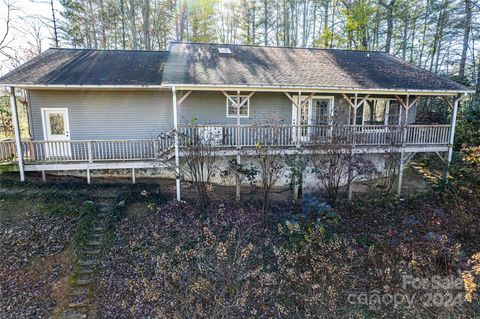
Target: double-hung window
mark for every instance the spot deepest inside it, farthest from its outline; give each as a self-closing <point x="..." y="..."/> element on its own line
<point x="232" y="107"/>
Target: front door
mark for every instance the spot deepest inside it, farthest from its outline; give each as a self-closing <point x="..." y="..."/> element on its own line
<point x="316" y="117"/>
<point x="56" y="132"/>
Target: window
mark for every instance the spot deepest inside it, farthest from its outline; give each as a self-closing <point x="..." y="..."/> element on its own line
<point x="394" y="113"/>
<point x="57" y="126"/>
<point x="374" y="112"/>
<point x="320" y="111"/>
<point x="244" y="109"/>
<point x="377" y="111"/>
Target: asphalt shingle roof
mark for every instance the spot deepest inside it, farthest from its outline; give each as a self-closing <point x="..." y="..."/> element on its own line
<point x="90" y="67"/>
<point x="191" y="63"/>
<point x="204" y="64"/>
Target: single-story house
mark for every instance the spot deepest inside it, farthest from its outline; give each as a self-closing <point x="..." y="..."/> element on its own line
<point x="111" y="109"/>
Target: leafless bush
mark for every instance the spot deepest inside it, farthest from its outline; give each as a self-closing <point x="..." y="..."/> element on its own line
<point x="198" y="155"/>
<point x="270" y="160"/>
<point x="212" y="279"/>
<point x="335" y="165"/>
<point x="241" y="173"/>
<point x="390" y="171"/>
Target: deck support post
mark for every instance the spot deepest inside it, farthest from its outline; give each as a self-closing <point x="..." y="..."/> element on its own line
<point x="18" y="140"/>
<point x="177" y="150"/>
<point x="44" y="176"/>
<point x="89" y="181"/>
<point x="407" y="106"/>
<point x="452" y="136"/>
<point x="400" y="173"/>
<point x="133" y="176"/>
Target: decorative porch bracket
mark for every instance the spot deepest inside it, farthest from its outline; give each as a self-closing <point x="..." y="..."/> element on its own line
<point x="238" y="104"/>
<point x="299" y="105"/>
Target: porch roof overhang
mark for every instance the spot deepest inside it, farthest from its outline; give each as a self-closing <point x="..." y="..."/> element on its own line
<point x="256" y="88"/>
<point x="84" y="87"/>
<point x="310" y="89"/>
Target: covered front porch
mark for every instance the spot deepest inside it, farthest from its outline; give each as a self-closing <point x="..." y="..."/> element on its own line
<point x="361" y="122"/>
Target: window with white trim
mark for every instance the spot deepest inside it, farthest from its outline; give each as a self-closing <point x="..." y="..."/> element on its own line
<point x="377" y="111"/>
<point x="232" y="107"/>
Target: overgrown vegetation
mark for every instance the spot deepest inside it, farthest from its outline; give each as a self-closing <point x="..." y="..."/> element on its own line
<point x="84" y="225"/>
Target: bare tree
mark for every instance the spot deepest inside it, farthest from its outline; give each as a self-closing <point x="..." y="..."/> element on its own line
<point x="466" y="37"/>
<point x="4" y="41"/>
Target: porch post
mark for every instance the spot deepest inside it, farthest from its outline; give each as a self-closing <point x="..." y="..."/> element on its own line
<point x="299" y="118"/>
<point x="350" y="174"/>
<point x="239" y="141"/>
<point x="404" y="140"/>
<point x="18" y="141"/>
<point x="176" y="141"/>
<point x="452" y="136"/>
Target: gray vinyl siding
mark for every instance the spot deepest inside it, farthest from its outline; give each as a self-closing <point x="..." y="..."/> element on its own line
<point x="129" y="114"/>
<point x="211" y="108"/>
<point x="98" y="114"/>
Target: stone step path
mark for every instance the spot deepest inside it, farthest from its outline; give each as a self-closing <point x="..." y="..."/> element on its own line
<point x="81" y="287"/>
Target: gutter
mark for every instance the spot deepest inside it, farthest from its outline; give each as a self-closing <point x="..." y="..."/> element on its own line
<point x="330" y="89"/>
<point x="260" y="88"/>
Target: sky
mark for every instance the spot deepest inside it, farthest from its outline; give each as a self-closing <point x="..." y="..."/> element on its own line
<point x="27" y="13"/>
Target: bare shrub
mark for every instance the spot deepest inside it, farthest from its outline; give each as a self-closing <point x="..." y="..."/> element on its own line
<point x="269" y="159"/>
<point x="214" y="278"/>
<point x="241" y="173"/>
<point x="315" y="271"/>
<point x="198" y="156"/>
<point x="390" y="171"/>
<point x="335" y="165"/>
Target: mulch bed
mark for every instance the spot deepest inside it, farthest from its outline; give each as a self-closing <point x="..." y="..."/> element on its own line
<point x="32" y="264"/>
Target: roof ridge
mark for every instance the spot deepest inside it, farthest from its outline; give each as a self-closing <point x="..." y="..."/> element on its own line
<point x="113" y="50"/>
<point x="279" y="46"/>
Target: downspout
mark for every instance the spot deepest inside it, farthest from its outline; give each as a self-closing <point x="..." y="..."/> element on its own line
<point x="176" y="142"/>
<point x="18" y="141"/>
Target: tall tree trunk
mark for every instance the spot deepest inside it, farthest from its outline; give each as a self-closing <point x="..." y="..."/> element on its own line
<point x="405" y="38"/>
<point x="133" y="24"/>
<point x="390" y="6"/>
<point x="122" y="12"/>
<point x="265" y="22"/>
<point x="146" y="24"/>
<point x="466" y="37"/>
<point x="54" y="20"/>
<point x="424" y="32"/>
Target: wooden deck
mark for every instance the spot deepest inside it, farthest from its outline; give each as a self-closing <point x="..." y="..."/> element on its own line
<point x="145" y="153"/>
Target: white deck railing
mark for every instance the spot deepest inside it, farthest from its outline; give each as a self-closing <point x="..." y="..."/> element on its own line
<point x="226" y="136"/>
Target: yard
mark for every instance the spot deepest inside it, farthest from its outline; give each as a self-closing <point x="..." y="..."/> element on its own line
<point x="374" y="257"/>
